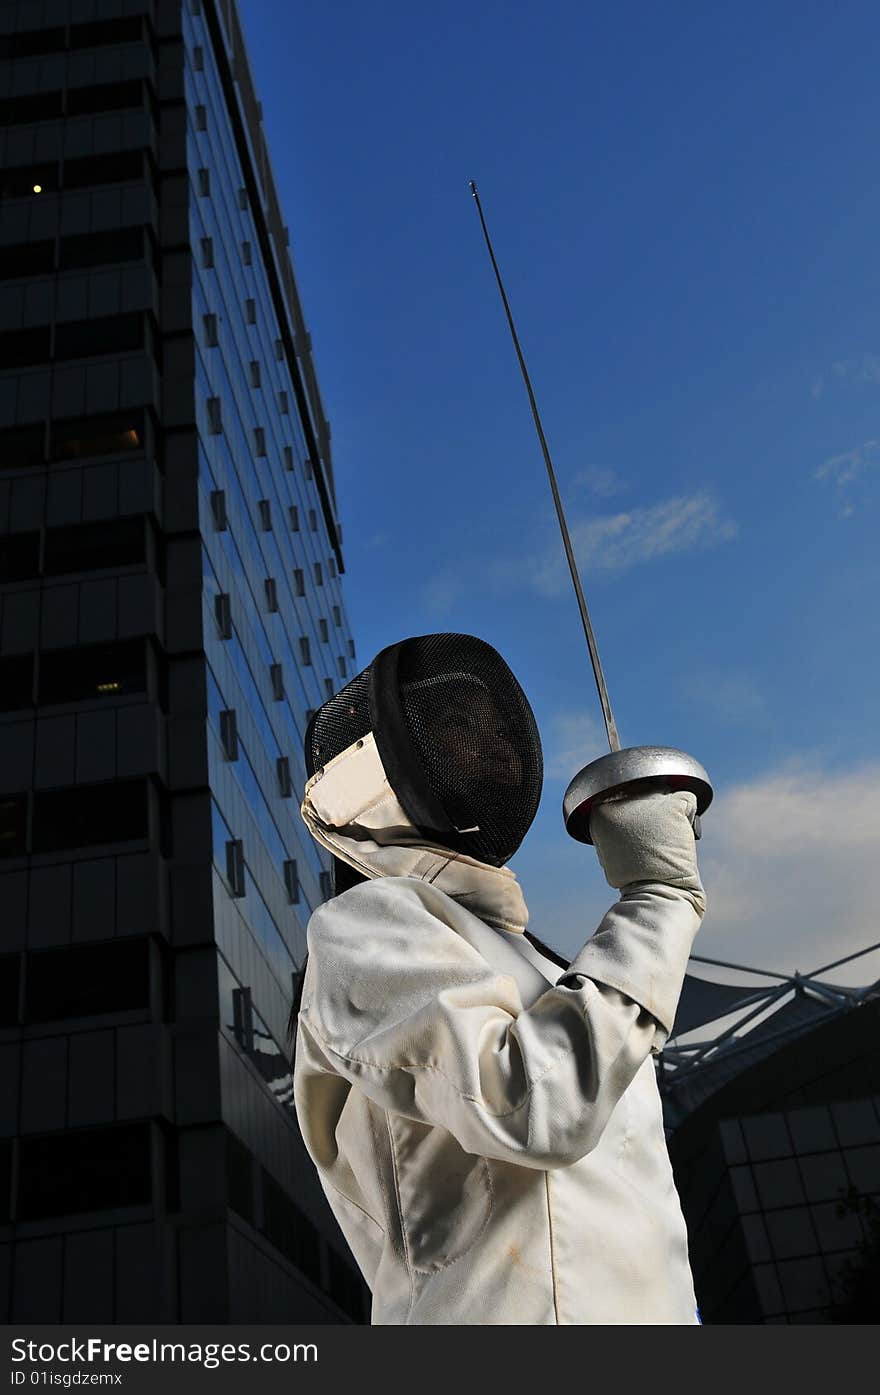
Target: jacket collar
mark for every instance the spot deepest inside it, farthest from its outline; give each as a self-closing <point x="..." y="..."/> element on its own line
<point x="350" y="808"/>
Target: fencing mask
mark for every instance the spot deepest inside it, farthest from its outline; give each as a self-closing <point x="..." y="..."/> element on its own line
<point x="455" y="734"/>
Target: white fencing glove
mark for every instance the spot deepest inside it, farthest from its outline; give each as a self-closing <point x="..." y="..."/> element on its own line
<point x="649" y="838"/>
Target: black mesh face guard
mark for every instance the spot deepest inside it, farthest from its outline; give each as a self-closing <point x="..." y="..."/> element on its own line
<point x="456" y="736"/>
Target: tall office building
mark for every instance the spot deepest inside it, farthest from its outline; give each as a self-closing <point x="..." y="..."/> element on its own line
<point x="171" y="612"/>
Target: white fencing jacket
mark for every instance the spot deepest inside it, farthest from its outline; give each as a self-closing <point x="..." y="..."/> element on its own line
<point x="486" y="1127"/>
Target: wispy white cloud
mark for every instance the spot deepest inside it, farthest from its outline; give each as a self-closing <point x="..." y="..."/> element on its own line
<point x="862" y="369"/>
<point x="733" y="698"/>
<point x="601" y="481"/>
<point x="848" y="466"/>
<point x="573" y="739"/>
<point x="614" y="543"/>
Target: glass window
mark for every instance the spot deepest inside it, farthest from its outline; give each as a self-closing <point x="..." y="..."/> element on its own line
<point x="305" y="650"/>
<point x="204" y="182"/>
<point x="342" y="666"/>
<point x="22" y="446"/>
<point x="229" y="733"/>
<point x="299" y="582"/>
<point x="84" y="1170"/>
<point x="108" y="96"/>
<point x="279" y="348"/>
<point x="265" y="508"/>
<point x="291" y="880"/>
<point x="84" y="980"/>
<point x="101" y="248"/>
<point x="293" y="515"/>
<point x="235" y="867"/>
<point x="30" y="259"/>
<point x="207" y="252"/>
<point x="92" y="338"/>
<point x="13" y="825"/>
<point x="93" y="671"/>
<point x="259" y="440"/>
<point x="223" y="613"/>
<point x="21" y="111"/>
<point x="246" y="253"/>
<point x="19" y="556"/>
<point x="112" y="812"/>
<point x="210" y="327"/>
<point x="282" y="402"/>
<point x="276" y="678"/>
<point x="87" y="547"/>
<point x="319" y="574"/>
<point x="120" y="167"/>
<point x="250" y="311"/>
<point x="16" y="683"/>
<point x="337" y="615"/>
<point x="242" y="198"/>
<point x="218" y="507"/>
<point x="21" y="347"/>
<point x="313" y="520"/>
<point x="323" y="630"/>
<point x="255" y="372"/>
<point x="31" y="43"/>
<point x="285" y="783"/>
<point x="198" y="58"/>
<point x="215" y="423"/>
<point x="328" y="687"/>
<point x="129" y="29"/>
<point x="351" y="648"/>
<point x="10" y="976"/>
<point x="271" y="594"/>
<point x="239" y="1178"/>
<point x="288" y="458"/>
<point x="289" y="1230"/>
<point x="201" y="118"/>
<point x="111" y="433"/>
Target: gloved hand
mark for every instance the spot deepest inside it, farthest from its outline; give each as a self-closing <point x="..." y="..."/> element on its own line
<point x="648" y="838"/>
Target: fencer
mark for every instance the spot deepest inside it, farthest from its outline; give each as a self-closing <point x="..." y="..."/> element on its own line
<point x="484" y="1116"/>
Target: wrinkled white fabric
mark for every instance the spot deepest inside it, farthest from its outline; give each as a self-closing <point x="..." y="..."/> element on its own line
<point x="490" y="1139"/>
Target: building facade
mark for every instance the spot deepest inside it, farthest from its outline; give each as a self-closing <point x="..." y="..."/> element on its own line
<point x="171" y="611"/>
<point x="779" y="1176"/>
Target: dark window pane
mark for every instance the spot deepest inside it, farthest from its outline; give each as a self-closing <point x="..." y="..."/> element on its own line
<point x="90" y="338"/>
<point x="239" y="1178"/>
<point x="108" y="434"/>
<point x="20" y="111"/>
<point x="76" y="818"/>
<point x="10" y="973"/>
<point x="23" y="445"/>
<point x="289" y="1230"/>
<point x="28" y="181"/>
<point x="5" y="1177"/>
<point x="109" y="96"/>
<point x="33" y="42"/>
<point x="19" y="556"/>
<point x="30" y="259"/>
<point x="16" y="683"/>
<point x="97" y="249"/>
<point x="107" y="31"/>
<point x="22" y="347"/>
<point x="90" y="170"/>
<point x="92" y="671"/>
<point x="86" y="980"/>
<point x="13" y="824"/>
<point x="87" y="547"/>
<point x="84" y="1170"/>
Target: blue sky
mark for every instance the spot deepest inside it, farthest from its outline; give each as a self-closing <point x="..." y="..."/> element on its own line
<point x="684" y="202"/>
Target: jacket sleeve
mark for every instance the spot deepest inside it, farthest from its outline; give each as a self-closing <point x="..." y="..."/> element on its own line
<point x="403" y="1007"/>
